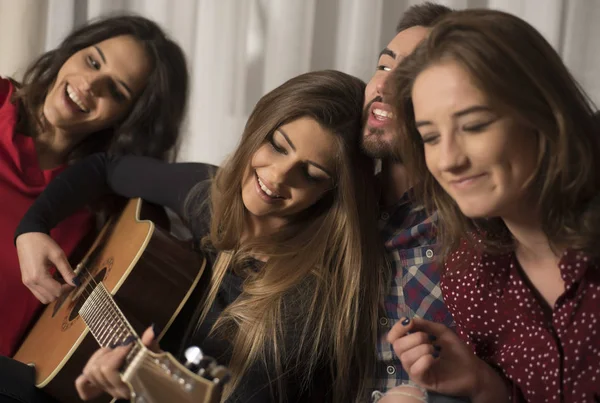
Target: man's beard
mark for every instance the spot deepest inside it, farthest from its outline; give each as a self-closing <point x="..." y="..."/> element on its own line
<point x="373" y="145"/>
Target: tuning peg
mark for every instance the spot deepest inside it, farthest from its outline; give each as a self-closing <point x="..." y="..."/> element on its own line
<point x="193" y="357"/>
<point x="196" y="361"/>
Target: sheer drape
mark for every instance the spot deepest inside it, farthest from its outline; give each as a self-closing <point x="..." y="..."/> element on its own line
<point x="239" y="49"/>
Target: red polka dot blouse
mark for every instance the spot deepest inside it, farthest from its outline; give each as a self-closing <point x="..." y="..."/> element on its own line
<point x="550" y="356"/>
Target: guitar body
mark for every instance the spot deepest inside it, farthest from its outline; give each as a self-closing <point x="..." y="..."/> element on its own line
<point x="150" y="275"/>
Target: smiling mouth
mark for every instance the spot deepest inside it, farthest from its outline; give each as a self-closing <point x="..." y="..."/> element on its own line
<point x="72" y="95"/>
<point x="265" y="190"/>
<point x="466" y="182"/>
<point x="381" y="115"/>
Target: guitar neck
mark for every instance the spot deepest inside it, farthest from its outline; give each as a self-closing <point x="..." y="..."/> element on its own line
<point x="152" y="378"/>
<point x="106" y="322"/>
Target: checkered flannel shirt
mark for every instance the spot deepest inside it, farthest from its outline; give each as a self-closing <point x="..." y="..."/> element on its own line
<point x="414" y="288"/>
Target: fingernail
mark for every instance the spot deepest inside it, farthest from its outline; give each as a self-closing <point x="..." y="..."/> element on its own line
<point x="435" y="354"/>
<point x="405" y="322"/>
<point x="77" y="281"/>
<point x="127" y="341"/>
<point x="432" y="337"/>
<point x="155" y="330"/>
<point x="437" y="348"/>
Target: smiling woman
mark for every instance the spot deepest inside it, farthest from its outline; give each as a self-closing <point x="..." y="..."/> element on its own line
<point x="117" y="85"/>
<point x="289" y="226"/>
<point x="298" y="153"/>
<point x="97" y="86"/>
<point x="508" y="149"/>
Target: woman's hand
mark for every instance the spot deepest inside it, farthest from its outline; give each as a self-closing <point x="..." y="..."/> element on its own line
<point x="101" y="373"/>
<point x="435" y="358"/>
<point x="404" y="394"/>
<point x="38" y="253"/>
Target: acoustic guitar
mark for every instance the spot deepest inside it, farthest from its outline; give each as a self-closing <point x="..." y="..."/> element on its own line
<point x="134" y="274"/>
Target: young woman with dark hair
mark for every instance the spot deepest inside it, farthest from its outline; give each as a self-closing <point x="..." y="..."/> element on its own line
<point x="118" y="84"/>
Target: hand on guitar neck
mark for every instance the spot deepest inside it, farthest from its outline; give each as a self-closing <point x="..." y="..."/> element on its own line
<point x="102" y="371"/>
<point x="38" y="253"/>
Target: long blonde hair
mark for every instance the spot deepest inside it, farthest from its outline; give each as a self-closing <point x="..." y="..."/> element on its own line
<point x="524" y="77"/>
<point x="320" y="286"/>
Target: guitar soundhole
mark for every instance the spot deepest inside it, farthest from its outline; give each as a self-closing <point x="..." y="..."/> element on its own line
<point x="78" y="296"/>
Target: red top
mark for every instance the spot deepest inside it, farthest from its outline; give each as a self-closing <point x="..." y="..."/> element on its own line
<point x="21" y="181"/>
<point x="552" y="356"/>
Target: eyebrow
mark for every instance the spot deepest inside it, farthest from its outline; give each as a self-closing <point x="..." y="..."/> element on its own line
<point x="388" y="52"/>
<point x="471" y="109"/>
<point x="101" y="53"/>
<point x="322" y="168"/>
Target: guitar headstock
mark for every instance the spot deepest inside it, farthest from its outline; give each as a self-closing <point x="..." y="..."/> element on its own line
<point x="160" y="378"/>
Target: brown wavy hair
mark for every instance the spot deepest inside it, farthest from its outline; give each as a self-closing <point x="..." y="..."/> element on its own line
<point x="315" y="299"/>
<point x="523" y="77"/>
<point x="151" y="128"/>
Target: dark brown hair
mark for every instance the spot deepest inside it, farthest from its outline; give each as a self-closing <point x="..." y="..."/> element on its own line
<point x="523" y="77"/>
<point x="152" y="126"/>
<point x="423" y="15"/>
<point x="321" y="283"/>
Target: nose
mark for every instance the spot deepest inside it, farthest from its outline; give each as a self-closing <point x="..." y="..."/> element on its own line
<point x="286" y="171"/>
<point x="380" y="87"/>
<point x="375" y="88"/>
<point x="451" y="154"/>
<point x="96" y="84"/>
<point x="281" y="172"/>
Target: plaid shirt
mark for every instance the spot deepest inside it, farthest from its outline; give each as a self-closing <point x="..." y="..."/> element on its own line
<point x="414" y="283"/>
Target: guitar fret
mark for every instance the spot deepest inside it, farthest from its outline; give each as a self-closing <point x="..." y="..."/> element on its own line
<point x="105" y="321"/>
<point x="112" y="334"/>
<point x="104" y="332"/>
<point x="99" y="318"/>
<point x="121" y="336"/>
<point x="116" y="324"/>
<point x="113" y="331"/>
<point x="108" y="318"/>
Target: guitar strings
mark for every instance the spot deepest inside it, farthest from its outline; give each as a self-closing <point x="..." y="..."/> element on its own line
<point x="122" y="330"/>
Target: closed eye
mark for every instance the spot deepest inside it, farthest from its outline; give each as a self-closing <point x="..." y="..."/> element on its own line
<point x="430" y="138"/>
<point x="478" y="127"/>
<point x="116" y="94"/>
<point x="276" y="147"/>
<point x="311" y="178"/>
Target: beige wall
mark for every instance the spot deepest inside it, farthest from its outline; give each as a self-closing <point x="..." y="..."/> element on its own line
<point x="22" y="32"/>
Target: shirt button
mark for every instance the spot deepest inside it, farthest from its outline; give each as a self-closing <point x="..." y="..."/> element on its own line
<point x="383" y="321"/>
<point x="391" y="370"/>
<point x="429" y="253"/>
<point x="385" y="216"/>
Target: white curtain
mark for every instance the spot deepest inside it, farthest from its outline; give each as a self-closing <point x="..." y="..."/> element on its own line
<point x="240" y="49"/>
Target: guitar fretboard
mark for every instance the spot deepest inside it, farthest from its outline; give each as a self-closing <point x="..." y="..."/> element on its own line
<point x="106" y="321"/>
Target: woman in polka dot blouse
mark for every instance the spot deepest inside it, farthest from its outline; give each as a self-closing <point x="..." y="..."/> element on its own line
<point x="508" y="149"/>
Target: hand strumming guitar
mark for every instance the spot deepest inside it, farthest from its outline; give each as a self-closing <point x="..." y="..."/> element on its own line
<point x="38" y="253"/>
